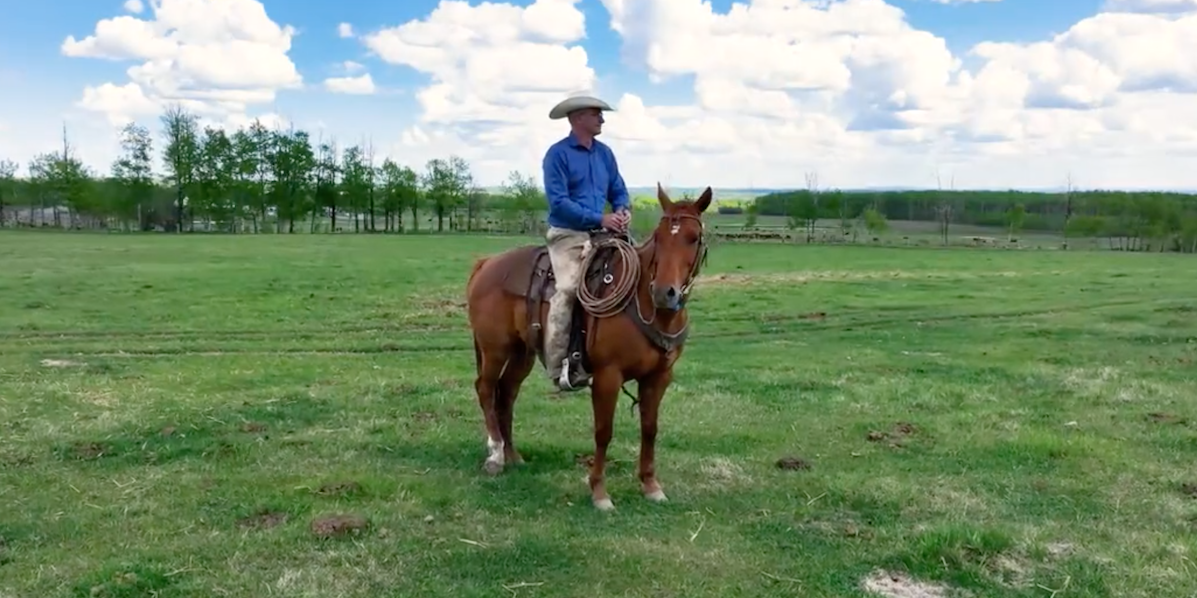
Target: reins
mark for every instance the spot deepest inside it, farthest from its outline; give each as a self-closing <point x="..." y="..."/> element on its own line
<point x="625" y="288"/>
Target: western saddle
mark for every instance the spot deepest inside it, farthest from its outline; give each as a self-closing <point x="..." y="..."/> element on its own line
<point x="535" y="282"/>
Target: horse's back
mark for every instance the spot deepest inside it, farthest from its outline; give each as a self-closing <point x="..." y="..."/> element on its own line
<point x="511" y="270"/>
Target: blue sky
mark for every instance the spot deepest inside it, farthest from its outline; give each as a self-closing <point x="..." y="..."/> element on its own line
<point x="48" y="84"/>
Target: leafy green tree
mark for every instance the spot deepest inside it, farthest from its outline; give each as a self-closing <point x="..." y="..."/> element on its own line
<point x="133" y="173"/>
<point x="1015" y="217"/>
<point x="400" y="191"/>
<point x="180" y="154"/>
<point x="8" y="184"/>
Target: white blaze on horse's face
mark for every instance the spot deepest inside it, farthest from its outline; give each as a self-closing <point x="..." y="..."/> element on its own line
<point x="673" y="230"/>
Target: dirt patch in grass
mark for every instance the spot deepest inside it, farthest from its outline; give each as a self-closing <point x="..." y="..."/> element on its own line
<point x="1189" y="489"/>
<point x="896" y="436"/>
<point x="339" y="525"/>
<point x="263" y="519"/>
<point x="88" y="451"/>
<point x="340" y="489"/>
<point x="253" y="427"/>
<point x="61" y="363"/>
<point x="892" y="584"/>
<point x="1165" y="418"/>
<point x="792" y="464"/>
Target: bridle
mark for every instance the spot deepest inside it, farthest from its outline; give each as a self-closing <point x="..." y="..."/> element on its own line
<point x="700" y="257"/>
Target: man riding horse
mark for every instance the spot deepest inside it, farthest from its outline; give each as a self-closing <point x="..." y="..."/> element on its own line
<point x="580" y="177"/>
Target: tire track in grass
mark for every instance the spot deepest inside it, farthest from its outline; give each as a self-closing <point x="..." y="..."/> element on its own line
<point x="807" y="325"/>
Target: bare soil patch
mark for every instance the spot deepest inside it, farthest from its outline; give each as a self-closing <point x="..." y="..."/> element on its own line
<point x="61" y="363"/>
<point x="1189" y="489"/>
<point x="1165" y="418"/>
<point x="339" y="525"/>
<point x="894" y="438"/>
<point x="264" y="519"/>
<point x="88" y="450"/>
<point x="792" y="464"/>
<point x="253" y="427"/>
<point x="346" y="488"/>
<point x="900" y="585"/>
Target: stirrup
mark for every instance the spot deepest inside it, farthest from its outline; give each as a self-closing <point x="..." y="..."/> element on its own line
<point x="564" y="382"/>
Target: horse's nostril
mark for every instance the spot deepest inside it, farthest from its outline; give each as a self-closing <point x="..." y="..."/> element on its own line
<point x="671" y="293"/>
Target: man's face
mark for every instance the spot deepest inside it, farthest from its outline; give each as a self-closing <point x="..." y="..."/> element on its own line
<point x="589" y="120"/>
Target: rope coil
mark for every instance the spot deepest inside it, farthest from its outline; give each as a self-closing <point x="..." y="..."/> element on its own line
<point x="624" y="285"/>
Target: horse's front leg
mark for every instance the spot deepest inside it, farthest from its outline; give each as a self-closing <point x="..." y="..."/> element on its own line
<point x="651" y="391"/>
<point x="604" y="394"/>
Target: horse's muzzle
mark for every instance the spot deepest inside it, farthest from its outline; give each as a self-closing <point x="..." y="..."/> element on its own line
<point x="667" y="297"/>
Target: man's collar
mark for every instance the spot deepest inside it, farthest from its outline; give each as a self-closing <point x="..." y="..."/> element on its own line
<point x="575" y="142"/>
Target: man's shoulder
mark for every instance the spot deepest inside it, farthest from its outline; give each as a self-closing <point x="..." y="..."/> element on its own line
<point x="604" y="149"/>
<point x="558" y="146"/>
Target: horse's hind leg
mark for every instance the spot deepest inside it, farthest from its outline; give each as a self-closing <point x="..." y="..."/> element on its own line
<point x="490" y="362"/>
<point x="519" y="365"/>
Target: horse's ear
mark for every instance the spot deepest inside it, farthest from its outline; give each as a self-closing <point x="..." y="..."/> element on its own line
<point x="704" y="201"/>
<point x="663" y="199"/>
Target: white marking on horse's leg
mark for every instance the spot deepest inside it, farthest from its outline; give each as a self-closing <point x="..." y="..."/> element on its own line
<point x="656" y="496"/>
<point x="494" y="455"/>
<point x="604" y="504"/>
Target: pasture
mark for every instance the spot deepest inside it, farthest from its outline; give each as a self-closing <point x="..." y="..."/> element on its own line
<point x="267" y="415"/>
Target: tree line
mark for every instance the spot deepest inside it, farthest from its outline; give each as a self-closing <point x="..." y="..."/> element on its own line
<point x="255" y="179"/>
<point x="1129" y="220"/>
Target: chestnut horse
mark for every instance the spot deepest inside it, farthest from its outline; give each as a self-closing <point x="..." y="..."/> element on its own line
<point x="621" y="344"/>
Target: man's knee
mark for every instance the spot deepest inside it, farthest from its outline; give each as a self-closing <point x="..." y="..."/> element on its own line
<point x="567" y="288"/>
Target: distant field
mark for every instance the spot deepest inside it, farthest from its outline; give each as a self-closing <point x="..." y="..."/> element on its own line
<point x="177" y="411"/>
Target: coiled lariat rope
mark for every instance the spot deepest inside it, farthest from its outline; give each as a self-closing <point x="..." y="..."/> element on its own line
<point x="623" y="285"/>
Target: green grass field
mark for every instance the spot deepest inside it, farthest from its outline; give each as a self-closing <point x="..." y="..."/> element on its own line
<point x="177" y="411"/>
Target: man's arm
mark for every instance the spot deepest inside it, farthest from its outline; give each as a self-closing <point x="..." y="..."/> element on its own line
<point x="617" y="192"/>
<point x="556" y="190"/>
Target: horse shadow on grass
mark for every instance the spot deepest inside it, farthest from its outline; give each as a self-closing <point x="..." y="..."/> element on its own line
<point x="553" y="474"/>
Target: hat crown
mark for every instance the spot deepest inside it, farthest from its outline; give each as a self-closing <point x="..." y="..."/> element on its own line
<point x="578" y="102"/>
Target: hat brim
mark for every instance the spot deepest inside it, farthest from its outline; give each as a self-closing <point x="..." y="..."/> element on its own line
<point x="568" y="105"/>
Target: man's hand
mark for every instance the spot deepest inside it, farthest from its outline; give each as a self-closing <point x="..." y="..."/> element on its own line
<point x="613" y="222"/>
<point x="625" y="218"/>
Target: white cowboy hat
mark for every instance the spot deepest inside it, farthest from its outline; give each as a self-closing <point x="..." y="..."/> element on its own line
<point x="562" y="109"/>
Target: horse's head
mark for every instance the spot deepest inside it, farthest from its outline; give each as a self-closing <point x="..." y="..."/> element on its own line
<point x="679" y="249"/>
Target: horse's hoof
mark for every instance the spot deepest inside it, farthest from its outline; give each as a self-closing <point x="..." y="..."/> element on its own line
<point x="604" y="504"/>
<point x="656" y="496"/>
<point x="492" y="468"/>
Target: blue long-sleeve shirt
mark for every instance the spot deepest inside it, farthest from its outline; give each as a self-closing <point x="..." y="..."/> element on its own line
<point x="578" y="182"/>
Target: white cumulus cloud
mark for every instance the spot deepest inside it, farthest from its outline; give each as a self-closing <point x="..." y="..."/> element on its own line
<point x="848" y="88"/>
<point x="495" y="70"/>
<point x="360" y="85"/>
<point x="215" y="57"/>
